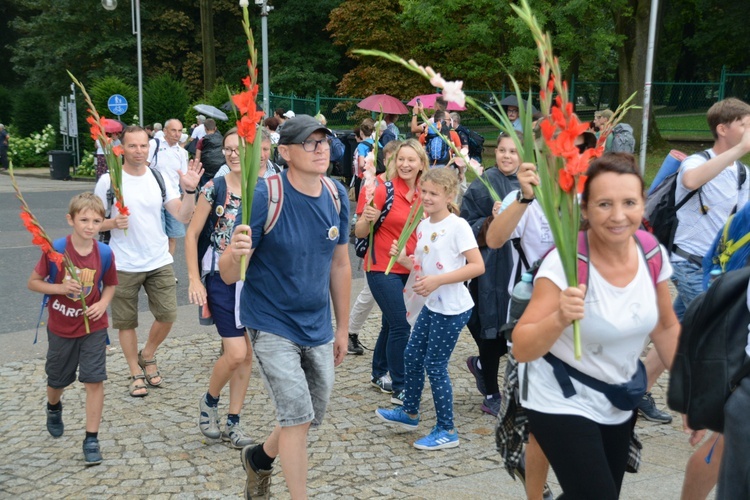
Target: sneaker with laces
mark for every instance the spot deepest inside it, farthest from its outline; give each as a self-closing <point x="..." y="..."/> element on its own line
<point x="398" y="416"/>
<point x="647" y="408"/>
<point x="492" y="405"/>
<point x="55" y="424"/>
<point x="92" y="455"/>
<point x="383" y="383"/>
<point x="208" y="420"/>
<point x="234" y="435"/>
<point x="398" y="398"/>
<point x="471" y="363"/>
<point x="258" y="482"/>
<point x="355" y="346"/>
<point x="438" y="439"/>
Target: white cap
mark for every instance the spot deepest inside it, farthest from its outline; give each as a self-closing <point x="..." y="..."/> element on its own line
<point x="289" y="114"/>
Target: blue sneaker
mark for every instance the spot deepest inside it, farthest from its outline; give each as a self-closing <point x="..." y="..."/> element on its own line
<point x="398" y="416"/>
<point x="438" y="439"/>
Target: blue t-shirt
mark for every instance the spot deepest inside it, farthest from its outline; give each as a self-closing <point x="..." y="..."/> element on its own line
<point x="286" y="290"/>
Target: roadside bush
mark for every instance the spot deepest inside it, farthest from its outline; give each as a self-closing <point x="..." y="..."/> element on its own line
<point x="31" y="151"/>
<point x="163" y="98"/>
<point x="87" y="168"/>
<point x="31" y="111"/>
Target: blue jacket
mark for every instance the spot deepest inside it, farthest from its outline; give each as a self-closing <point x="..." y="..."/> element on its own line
<point x="492" y="294"/>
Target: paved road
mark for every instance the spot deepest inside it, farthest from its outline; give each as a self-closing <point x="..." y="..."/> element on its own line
<point x="152" y="447"/>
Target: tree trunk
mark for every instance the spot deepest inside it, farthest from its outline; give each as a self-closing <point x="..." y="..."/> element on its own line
<point x="632" y="22"/>
<point x="207" y="38"/>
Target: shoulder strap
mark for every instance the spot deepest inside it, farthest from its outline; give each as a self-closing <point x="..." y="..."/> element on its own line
<point x="275" y="202"/>
<point x="647" y="244"/>
<point x="155" y="158"/>
<point x="333" y="190"/>
<point x="160" y="180"/>
<point x="59" y="247"/>
<point x="583" y="258"/>
<point x="105" y="257"/>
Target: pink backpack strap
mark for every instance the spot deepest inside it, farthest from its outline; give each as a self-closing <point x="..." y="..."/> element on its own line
<point x="275" y="201"/>
<point x="583" y="258"/>
<point x="649" y="245"/>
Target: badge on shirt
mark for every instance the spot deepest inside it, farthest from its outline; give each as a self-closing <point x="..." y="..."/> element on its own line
<point x="333" y="233"/>
<point x="219" y="210"/>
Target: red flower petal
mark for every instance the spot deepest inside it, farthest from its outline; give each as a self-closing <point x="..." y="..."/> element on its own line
<point x="566" y="180"/>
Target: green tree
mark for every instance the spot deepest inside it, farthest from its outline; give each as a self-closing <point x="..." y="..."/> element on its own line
<point x="6" y="105"/>
<point x="163" y="98"/>
<point x="31" y="111"/>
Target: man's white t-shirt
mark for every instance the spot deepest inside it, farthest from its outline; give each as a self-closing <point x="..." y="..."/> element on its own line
<point x="616" y="325"/>
<point x="695" y="231"/>
<point x="145" y="247"/>
<point x="169" y="161"/>
<point x="198" y="132"/>
<point x="534" y="232"/>
<point x="439" y="250"/>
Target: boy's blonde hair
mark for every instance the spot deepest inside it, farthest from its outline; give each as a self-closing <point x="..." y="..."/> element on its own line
<point x="445" y="178"/>
<point x="86" y="201"/>
<point x="389" y="155"/>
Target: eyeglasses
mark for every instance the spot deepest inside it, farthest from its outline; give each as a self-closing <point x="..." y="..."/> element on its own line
<point x="311" y="145"/>
<point x="230" y="152"/>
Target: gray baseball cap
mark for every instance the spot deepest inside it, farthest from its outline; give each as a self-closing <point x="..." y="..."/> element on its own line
<point x="299" y="128"/>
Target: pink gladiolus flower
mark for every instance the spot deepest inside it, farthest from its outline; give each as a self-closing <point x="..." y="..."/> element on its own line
<point x="476" y="166"/>
<point x="453" y="93"/>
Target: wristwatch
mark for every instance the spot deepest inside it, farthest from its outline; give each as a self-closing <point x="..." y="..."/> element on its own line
<point x="520" y="199"/>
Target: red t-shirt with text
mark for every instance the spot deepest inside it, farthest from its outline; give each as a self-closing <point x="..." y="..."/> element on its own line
<point x="65" y="312"/>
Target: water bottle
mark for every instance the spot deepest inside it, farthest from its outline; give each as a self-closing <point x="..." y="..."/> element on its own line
<point x="204" y="315"/>
<point x="520" y="297"/>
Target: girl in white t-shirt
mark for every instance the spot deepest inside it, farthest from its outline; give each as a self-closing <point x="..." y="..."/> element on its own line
<point x="617" y="313"/>
<point x="448" y="255"/>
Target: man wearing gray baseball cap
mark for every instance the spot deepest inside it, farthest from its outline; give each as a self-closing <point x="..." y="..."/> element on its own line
<point x="295" y="270"/>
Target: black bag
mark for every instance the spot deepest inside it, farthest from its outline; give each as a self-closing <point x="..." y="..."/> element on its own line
<point x="660" y="215"/>
<point x="361" y="245"/>
<point x="217" y="210"/>
<point x="105" y="236"/>
<point x="711" y="359"/>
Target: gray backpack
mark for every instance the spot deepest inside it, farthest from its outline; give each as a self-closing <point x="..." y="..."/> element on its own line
<point x="622" y="139"/>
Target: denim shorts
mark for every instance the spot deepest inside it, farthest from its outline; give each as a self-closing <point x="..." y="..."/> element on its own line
<point x="88" y="354"/>
<point x="688" y="280"/>
<point x="172" y="227"/>
<point x="298" y="379"/>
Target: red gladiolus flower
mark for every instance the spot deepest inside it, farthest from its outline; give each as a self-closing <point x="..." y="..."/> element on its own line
<point x="118" y="151"/>
<point x="122" y="208"/>
<point x="245" y="101"/>
<point x="581" y="183"/>
<point x="246" y="129"/>
<point x="246" y="82"/>
<point x="566" y="180"/>
<point x="57" y="259"/>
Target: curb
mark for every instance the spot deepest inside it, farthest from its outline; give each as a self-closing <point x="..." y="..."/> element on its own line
<point x="43" y="173"/>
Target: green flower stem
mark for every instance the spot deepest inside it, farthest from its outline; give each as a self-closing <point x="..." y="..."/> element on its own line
<point x="412" y="221"/>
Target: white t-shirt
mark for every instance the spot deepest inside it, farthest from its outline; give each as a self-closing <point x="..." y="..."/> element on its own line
<point x="534" y="231"/>
<point x="198" y="132"/>
<point x="696" y="232"/>
<point x="169" y="160"/>
<point x="440" y="249"/>
<point x="617" y="323"/>
<point x="145" y="247"/>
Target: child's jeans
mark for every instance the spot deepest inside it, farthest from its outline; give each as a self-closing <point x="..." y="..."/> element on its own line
<point x="429" y="349"/>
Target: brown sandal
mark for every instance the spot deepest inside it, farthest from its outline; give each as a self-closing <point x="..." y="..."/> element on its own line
<point x="135" y="386"/>
<point x="149" y="376"/>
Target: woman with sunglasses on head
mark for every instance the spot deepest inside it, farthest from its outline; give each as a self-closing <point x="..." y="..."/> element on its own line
<point x="217" y="218"/>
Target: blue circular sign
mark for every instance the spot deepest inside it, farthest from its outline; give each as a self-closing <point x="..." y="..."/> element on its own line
<point x="117" y="104"/>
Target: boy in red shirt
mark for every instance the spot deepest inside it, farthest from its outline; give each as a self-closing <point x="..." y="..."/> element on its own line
<point x="70" y="347"/>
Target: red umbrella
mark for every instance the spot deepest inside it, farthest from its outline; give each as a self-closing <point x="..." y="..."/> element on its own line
<point x="112" y="126"/>
<point x="385" y="103"/>
<point x="428" y="101"/>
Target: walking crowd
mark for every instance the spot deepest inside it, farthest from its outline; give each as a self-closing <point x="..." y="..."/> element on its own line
<point x="465" y="265"/>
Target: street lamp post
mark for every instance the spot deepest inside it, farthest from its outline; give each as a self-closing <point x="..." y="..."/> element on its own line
<point x="264" y="10"/>
<point x="135" y="17"/>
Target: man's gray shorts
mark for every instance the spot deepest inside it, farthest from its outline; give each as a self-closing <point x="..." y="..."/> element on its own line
<point x="298" y="379"/>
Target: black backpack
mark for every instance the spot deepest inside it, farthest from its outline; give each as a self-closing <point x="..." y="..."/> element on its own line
<point x="217" y="209"/>
<point x="711" y="359"/>
<point x="361" y="245"/>
<point x="660" y="215"/>
<point x="473" y="141"/>
<point x="105" y="236"/>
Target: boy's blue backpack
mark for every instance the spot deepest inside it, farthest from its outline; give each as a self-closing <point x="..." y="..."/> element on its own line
<point x="105" y="256"/>
<point x="438" y="151"/>
<point x="730" y="249"/>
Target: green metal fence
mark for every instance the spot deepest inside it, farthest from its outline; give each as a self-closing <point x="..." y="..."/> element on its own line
<point x="679" y="107"/>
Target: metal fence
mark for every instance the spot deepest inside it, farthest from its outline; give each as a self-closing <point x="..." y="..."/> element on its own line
<point x="679" y="107"/>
